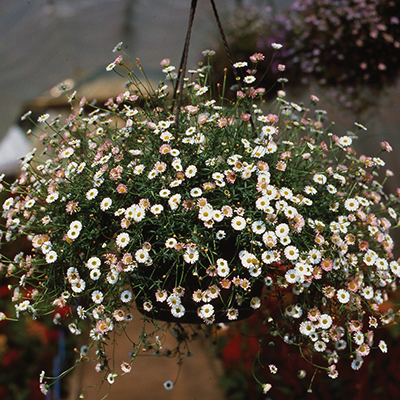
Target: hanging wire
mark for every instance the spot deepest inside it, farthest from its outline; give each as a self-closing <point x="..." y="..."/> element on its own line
<point x="182" y="67"/>
<point x="225" y="42"/>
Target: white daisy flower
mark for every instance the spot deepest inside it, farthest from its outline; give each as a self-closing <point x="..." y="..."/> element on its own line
<point x="383" y="346"/>
<point x="110" y="67"/>
<point x="379" y="161"/>
<point x="286" y="193"/>
<point x="343" y="296"/>
<point x="340" y="178"/>
<point x="111" y="376"/>
<point x="307" y="328"/>
<point x="310" y="190"/>
<point x="156" y="209"/>
<point x="190" y="171"/>
<point x="94" y="274"/>
<point x="381" y="264"/>
<point x="358" y="338"/>
<point x="51" y="257"/>
<point x="269" y="238"/>
<point x="255" y="271"/>
<point x="178" y="311"/>
<point x="258" y="227"/>
<point x="319" y="346"/>
<point x="218" y="215"/>
<point x="30" y="203"/>
<point x="112" y="277"/>
<point x="73" y="233"/>
<point x="345" y="141"/>
<point x="292" y="276"/>
<point x="314" y="256"/>
<point x="206" y="310"/>
<point x="249" y="79"/>
<point x="392" y="212"/>
<point x="8" y="203"/>
<point x="75" y="225"/>
<point x="122" y="240"/>
<point x="138" y="213"/>
<point x="170" y="243"/>
<point x="232" y="314"/>
<point x="395" y="268"/>
<point x="367" y="292"/>
<point x="325" y="321"/>
<point x="291" y="252"/>
<point x="255" y="303"/>
<point x="370" y="257"/>
<point x="196" y="192"/>
<point x="142" y="256"/>
<point x="268" y="257"/>
<point x="285" y="240"/>
<point x="126" y="296"/>
<point x="175" y="183"/>
<point x="206" y="213"/>
<point x="152" y="174"/>
<point x="282" y="230"/>
<point x="97" y="297"/>
<point x="105" y="204"/>
<point x="268" y="130"/>
<point x="78" y="286"/>
<point x="190" y="131"/>
<point x="91" y="193"/>
<point x="351" y="204"/>
<point x="66" y="153"/>
<point x="357" y="363"/>
<point x="43" y="117"/>
<point x="238" y="223"/>
<point x="52" y="197"/>
<point x="199" y="138"/>
<point x="72" y="275"/>
<point x="248" y="259"/>
<point x="93" y="262"/>
<point x="240" y="64"/>
<point x="262" y="203"/>
<point x="173" y="300"/>
<point x="191" y="256"/>
<point x="174" y="201"/>
<point x="220" y="234"/>
<point x="270" y="192"/>
<point x="218" y="176"/>
<point x="319" y="178"/>
<point x="138" y="169"/>
<point x="166" y="136"/>
<point x="201" y="91"/>
<point x="297" y="108"/>
<point x="46" y="247"/>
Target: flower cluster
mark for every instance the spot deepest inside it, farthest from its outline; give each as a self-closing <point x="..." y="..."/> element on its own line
<point x="187" y="215"/>
<point x="345" y="44"/>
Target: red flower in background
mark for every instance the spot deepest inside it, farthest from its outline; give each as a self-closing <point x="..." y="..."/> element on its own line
<point x="11" y="358"/>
